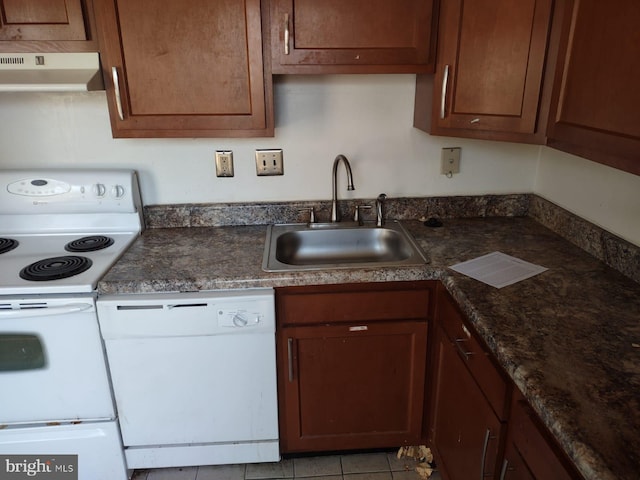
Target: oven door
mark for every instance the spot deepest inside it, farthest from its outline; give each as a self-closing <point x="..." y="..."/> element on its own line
<point x="52" y="366"/>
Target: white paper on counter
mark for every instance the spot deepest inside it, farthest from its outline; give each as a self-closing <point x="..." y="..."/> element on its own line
<point x="498" y="269"/>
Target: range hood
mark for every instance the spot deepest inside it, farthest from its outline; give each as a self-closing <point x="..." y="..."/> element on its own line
<point x="50" y="72"/>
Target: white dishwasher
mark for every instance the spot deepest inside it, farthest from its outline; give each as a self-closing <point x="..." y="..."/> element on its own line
<point x="194" y="376"/>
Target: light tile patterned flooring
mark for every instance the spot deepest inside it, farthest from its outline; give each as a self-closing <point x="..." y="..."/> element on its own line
<point x="360" y="466"/>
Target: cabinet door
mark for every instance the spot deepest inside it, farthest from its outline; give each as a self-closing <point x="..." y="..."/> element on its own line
<point x="353" y="36"/>
<point x="42" y="20"/>
<point x="351" y="386"/>
<point x="465" y="432"/>
<point x="530" y="453"/>
<point x="596" y="104"/>
<point x="489" y="73"/>
<point x="192" y="68"/>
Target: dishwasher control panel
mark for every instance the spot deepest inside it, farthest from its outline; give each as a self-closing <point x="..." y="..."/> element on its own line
<point x="235" y="316"/>
<point x="155" y="315"/>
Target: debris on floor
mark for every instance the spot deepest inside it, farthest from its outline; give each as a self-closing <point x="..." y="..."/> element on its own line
<point x="422" y="455"/>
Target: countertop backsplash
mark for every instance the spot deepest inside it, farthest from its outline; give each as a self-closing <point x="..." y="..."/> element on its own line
<point x="605" y="246"/>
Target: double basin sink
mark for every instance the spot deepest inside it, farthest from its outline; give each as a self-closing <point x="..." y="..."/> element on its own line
<point x="318" y="246"/>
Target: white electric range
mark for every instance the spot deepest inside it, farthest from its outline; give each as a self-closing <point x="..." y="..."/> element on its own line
<point x="60" y="231"/>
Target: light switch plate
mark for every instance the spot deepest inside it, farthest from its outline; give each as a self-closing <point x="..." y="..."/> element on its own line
<point x="224" y="163"/>
<point x="450" y="161"/>
<point x="269" y="162"/>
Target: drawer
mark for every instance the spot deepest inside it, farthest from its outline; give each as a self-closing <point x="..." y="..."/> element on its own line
<point x="324" y="304"/>
<point x="475" y="355"/>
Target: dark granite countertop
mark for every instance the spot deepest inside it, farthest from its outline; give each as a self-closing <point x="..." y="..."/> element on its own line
<point x="569" y="337"/>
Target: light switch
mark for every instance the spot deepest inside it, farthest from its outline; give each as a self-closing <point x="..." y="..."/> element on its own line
<point x="269" y="162"/>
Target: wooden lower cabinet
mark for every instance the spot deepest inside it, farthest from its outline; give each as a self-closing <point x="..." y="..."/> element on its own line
<point x="529" y="452"/>
<point x="465" y="432"/>
<point x="478" y="428"/>
<point x="351" y="378"/>
<point x="354" y="363"/>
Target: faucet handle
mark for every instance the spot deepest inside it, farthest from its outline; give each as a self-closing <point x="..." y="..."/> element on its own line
<point x="312" y="213"/>
<point x="380" y="220"/>
<point x="357" y="214"/>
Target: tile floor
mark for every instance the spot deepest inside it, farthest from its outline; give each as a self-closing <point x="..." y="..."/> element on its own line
<point x="360" y="466"/>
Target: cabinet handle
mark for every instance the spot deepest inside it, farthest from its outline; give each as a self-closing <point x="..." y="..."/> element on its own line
<point x="487" y="437"/>
<point x="290" y="358"/>
<point x="464" y="353"/>
<point x="443" y="98"/>
<point x="116" y="86"/>
<point x="505" y="469"/>
<point x="286" y="34"/>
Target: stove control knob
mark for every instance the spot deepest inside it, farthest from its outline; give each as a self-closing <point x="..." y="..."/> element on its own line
<point x="99" y="189"/>
<point x="117" y="191"/>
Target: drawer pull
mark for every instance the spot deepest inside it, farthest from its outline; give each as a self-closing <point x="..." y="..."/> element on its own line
<point x="463" y="352"/>
<point x="359" y="328"/>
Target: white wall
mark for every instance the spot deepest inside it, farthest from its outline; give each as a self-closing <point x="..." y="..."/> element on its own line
<point x="367" y="118"/>
<point x="605" y="196"/>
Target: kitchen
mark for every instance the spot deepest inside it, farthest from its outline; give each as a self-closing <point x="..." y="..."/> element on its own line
<point x="368" y="118"/>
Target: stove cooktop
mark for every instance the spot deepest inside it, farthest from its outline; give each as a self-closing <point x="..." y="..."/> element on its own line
<point x="60" y="263"/>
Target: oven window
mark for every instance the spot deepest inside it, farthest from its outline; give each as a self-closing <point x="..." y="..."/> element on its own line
<point x="20" y="352"/>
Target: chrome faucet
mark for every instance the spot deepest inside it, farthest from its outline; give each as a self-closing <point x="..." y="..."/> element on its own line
<point x="335" y="214"/>
<point x="380" y="209"/>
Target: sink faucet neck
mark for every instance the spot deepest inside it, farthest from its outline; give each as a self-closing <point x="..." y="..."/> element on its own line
<point x="335" y="214"/>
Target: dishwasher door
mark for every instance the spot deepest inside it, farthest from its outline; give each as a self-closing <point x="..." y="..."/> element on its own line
<point x="194" y="377"/>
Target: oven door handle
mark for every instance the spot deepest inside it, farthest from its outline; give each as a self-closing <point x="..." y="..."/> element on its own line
<point x="46" y="311"/>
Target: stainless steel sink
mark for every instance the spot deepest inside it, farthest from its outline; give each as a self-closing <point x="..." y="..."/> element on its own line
<point x="338" y="245"/>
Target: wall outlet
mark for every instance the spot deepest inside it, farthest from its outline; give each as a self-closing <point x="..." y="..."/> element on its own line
<point x="269" y="162"/>
<point x="224" y="163"/>
<point x="450" y="161"/>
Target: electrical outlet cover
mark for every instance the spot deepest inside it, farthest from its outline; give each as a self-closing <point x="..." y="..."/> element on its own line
<point x="450" y="161"/>
<point x="224" y="163"/>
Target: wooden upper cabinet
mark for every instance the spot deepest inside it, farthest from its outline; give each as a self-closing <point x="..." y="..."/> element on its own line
<point x="353" y="36"/>
<point x="192" y="68"/>
<point x="490" y="70"/>
<point x="46" y="26"/>
<point x="596" y="103"/>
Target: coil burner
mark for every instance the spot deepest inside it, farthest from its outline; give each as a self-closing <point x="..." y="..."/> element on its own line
<point x="7" y="244"/>
<point x="55" y="268"/>
<point x="89" y="244"/>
